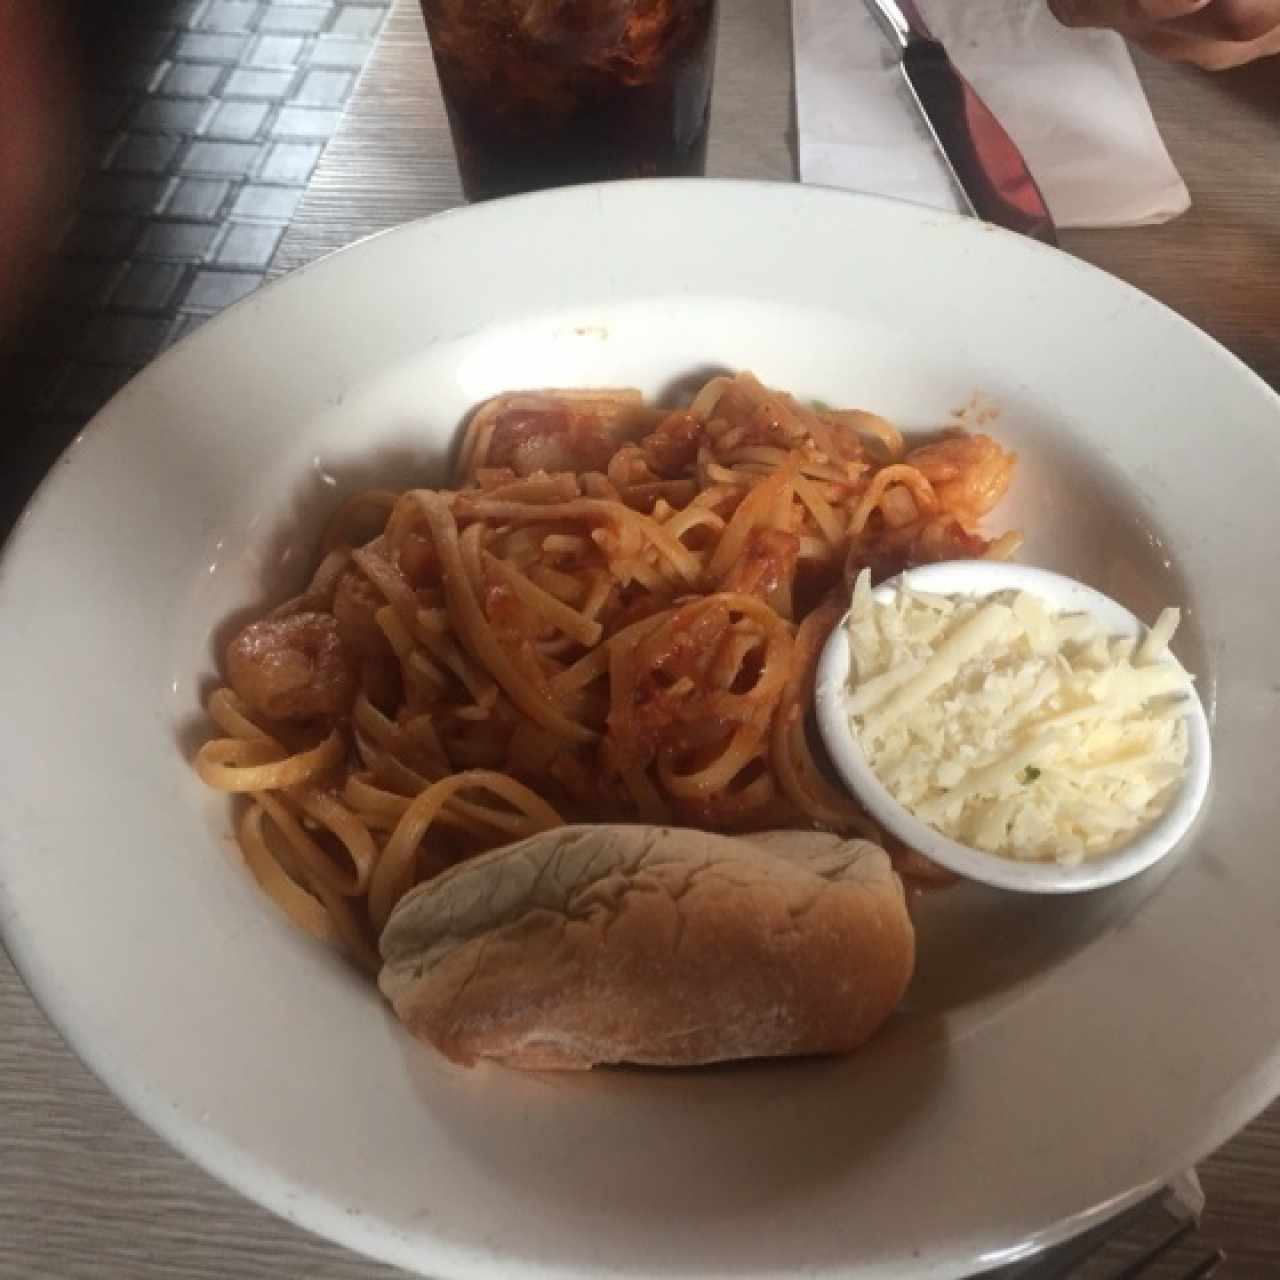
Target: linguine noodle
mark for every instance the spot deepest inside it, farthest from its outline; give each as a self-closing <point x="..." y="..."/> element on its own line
<point x="615" y="613"/>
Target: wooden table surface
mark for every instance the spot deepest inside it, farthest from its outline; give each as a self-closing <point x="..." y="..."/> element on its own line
<point x="85" y="1189"/>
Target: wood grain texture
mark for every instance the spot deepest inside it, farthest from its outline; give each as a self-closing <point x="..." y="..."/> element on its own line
<point x="85" y="1189"/>
<point x="1219" y="264"/>
<point x="88" y="1192"/>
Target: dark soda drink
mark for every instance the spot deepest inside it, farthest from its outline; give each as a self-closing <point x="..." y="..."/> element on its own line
<point x="543" y="93"/>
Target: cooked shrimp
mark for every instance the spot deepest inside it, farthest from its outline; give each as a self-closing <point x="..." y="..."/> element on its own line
<point x="355" y="602"/>
<point x="293" y="668"/>
<point x="672" y="446"/>
<point x="969" y="473"/>
<point x="942" y="538"/>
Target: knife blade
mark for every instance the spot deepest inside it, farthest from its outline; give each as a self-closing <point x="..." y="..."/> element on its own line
<point x="985" y="163"/>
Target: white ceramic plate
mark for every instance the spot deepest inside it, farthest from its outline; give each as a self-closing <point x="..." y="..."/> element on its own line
<point x="1055" y="1057"/>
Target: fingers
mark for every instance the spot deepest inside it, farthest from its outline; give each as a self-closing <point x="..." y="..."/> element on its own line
<point x="1235" y="21"/>
<point x="1213" y="34"/>
<point x="1127" y="16"/>
<point x="1208" y="53"/>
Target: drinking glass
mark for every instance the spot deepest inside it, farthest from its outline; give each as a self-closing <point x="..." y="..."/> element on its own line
<point x="544" y="93"/>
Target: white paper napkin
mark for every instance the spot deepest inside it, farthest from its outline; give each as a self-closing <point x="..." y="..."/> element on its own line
<point x="1071" y="100"/>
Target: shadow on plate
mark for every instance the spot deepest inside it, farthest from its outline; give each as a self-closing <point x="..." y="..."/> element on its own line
<point x="680" y="390"/>
<point x="981" y="949"/>
<point x="745" y="1135"/>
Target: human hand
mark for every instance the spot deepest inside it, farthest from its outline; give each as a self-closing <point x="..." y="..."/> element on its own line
<point x="1214" y="34"/>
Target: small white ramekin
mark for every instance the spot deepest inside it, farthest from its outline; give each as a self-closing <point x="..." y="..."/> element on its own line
<point x="983" y="578"/>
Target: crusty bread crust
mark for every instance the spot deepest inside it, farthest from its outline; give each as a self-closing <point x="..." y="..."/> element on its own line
<point x="651" y="945"/>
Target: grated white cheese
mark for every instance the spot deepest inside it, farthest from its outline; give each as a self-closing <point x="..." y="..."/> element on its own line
<point x="1014" y="728"/>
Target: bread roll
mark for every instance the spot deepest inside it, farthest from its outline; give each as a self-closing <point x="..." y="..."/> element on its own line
<point x="650" y="945"/>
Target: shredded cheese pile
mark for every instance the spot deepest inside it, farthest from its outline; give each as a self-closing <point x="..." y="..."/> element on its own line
<point x="1015" y="729"/>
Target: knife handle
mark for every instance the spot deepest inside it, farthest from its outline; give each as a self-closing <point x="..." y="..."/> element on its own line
<point x="902" y="21"/>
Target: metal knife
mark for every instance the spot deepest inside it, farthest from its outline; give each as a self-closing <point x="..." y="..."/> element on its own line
<point x="985" y="163"/>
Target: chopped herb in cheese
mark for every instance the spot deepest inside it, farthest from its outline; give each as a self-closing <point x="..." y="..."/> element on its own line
<point x="1014" y="728"/>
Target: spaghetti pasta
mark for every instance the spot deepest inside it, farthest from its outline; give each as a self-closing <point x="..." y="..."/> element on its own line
<point x="615" y="612"/>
